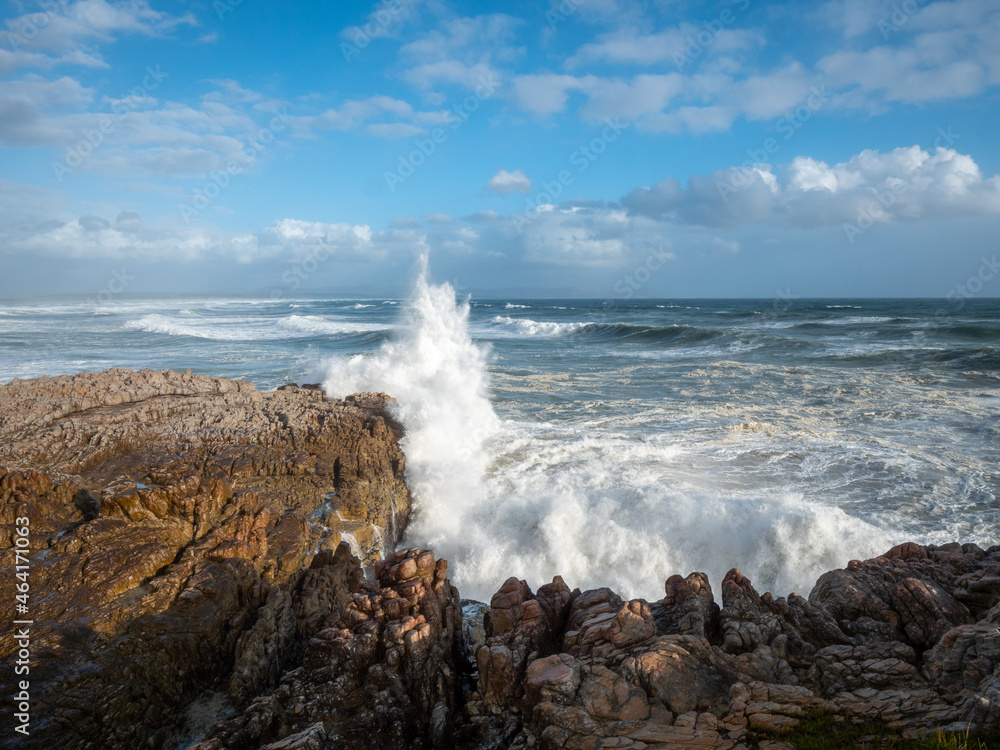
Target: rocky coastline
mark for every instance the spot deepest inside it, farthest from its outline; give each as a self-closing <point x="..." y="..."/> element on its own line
<point x="212" y="568"/>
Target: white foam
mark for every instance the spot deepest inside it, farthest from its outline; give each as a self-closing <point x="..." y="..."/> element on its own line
<point x="857" y="319"/>
<point x="510" y="306"/>
<point x="438" y="378"/>
<point x="316" y="324"/>
<point x="529" y="327"/>
<point x="591" y="502"/>
<point x="246" y="329"/>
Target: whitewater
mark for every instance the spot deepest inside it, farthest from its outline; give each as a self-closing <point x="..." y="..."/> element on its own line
<point x="610" y="496"/>
<point x="615" y="443"/>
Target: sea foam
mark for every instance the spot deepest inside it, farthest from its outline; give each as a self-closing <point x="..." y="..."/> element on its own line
<point x="599" y="507"/>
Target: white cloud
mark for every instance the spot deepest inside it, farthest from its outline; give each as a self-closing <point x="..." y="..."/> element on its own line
<point x="671" y="102"/>
<point x="906" y="184"/>
<point x="577" y="236"/>
<point x="69" y="32"/>
<point x="394" y="130"/>
<point x="463" y="52"/>
<point x="943" y="50"/>
<point x="544" y="93"/>
<point x="354" y="114"/>
<point x="505" y="183"/>
<point x="671" y="45"/>
<point x="40" y="229"/>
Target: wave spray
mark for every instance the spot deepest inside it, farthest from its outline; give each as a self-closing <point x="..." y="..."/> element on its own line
<point x="602" y="504"/>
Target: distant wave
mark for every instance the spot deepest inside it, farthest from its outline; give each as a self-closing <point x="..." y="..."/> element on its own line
<point x="218" y="330"/>
<point x="610" y="331"/>
<point x="530" y="327"/>
<point x="238" y="329"/>
<point x="315" y="324"/>
<point x="510" y="306"/>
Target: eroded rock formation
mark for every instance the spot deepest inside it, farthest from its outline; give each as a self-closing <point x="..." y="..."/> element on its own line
<point x="910" y="639"/>
<point x="194" y="585"/>
<point x="185" y="540"/>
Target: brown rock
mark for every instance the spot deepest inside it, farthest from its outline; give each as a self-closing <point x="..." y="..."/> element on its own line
<point x="172" y="518"/>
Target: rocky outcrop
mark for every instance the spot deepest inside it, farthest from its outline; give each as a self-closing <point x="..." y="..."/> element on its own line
<point x="188" y="536"/>
<point x="385" y="675"/>
<point x="211" y="568"/>
<point x="910" y="640"/>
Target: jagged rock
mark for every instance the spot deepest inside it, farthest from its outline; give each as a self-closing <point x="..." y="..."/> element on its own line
<point x="838" y="669"/>
<point x="519" y="625"/>
<point x="191" y="552"/>
<point x="908" y="594"/>
<point x="172" y="518"/>
<point x="687" y="609"/>
<point x="682" y="673"/>
<point x="129" y="440"/>
<point x="385" y="675"/>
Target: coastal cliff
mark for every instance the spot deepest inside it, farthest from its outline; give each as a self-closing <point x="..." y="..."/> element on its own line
<point x="184" y="536"/>
<point x="212" y="568"/>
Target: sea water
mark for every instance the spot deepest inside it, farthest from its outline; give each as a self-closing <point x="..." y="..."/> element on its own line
<point x="615" y="442"/>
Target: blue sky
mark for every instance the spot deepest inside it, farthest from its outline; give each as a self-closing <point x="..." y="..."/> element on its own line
<point x="595" y="148"/>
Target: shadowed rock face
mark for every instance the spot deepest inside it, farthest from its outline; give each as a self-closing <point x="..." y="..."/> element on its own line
<point x="185" y="536"/>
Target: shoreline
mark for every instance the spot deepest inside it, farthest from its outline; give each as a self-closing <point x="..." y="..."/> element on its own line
<point x="226" y="554"/>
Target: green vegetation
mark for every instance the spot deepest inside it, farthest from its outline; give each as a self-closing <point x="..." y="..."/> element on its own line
<point x="818" y="730"/>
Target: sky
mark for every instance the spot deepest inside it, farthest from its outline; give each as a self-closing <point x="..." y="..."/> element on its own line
<point x="605" y="148"/>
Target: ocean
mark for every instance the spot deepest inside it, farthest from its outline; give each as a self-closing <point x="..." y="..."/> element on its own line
<point x="615" y="443"/>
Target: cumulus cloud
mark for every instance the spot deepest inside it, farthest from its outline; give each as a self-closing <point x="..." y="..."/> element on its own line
<point x="505" y="183"/>
<point x="56" y="233"/>
<point x="670" y="102"/>
<point x="906" y="184"/>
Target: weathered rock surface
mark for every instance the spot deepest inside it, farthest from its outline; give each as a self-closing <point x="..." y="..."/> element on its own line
<point x="385" y="675"/>
<point x="185" y="539"/>
<point x="193" y="586"/>
<point x="910" y="639"/>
